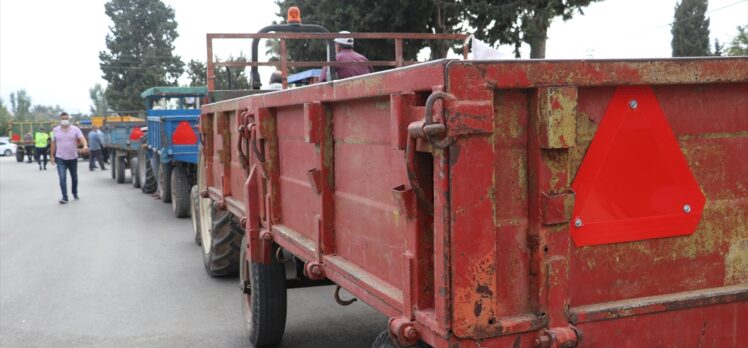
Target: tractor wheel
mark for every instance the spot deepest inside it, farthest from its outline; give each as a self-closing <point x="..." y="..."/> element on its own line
<point x="221" y="237"/>
<point x="180" y="192"/>
<point x="20" y="154"/>
<point x="134" y="172"/>
<point x="264" y="299"/>
<point x="120" y="169"/>
<point x="113" y="164"/>
<point x="195" y="214"/>
<point x="164" y="181"/>
<point x="147" y="179"/>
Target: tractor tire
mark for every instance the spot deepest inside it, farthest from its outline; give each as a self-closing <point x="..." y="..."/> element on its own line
<point x="221" y="241"/>
<point x="120" y="169"/>
<point x="148" y="182"/>
<point x="264" y="299"/>
<point x="113" y="164"/>
<point x="134" y="172"/>
<point x="195" y="214"/>
<point x="20" y="154"/>
<point x="164" y="181"/>
<point x="180" y="192"/>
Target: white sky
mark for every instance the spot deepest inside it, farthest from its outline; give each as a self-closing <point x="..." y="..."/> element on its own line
<point x="50" y="47"/>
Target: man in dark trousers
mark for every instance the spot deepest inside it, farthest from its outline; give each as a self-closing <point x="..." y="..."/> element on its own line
<point x="41" y="143"/>
<point x="344" y="53"/>
<point x="95" y="145"/>
<point x="28" y="139"/>
<point x="64" y="150"/>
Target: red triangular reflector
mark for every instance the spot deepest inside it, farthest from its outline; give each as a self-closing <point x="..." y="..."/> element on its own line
<point x="634" y="182"/>
<point x="184" y="134"/>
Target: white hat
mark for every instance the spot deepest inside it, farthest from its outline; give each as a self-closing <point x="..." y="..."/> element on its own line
<point x="348" y="41"/>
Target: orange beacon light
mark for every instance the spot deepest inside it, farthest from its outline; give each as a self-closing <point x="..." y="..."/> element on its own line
<point x="294" y="15"/>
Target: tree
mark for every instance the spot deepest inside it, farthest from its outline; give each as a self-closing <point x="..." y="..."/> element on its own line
<point x="4" y="118"/>
<point x="99" y="105"/>
<point x="140" y="51"/>
<point x="45" y="112"/>
<point x="690" y="29"/>
<point x="20" y="103"/>
<point x="506" y="21"/>
<point x="739" y="44"/>
<point x="226" y="78"/>
<point x="719" y="48"/>
<point x="517" y="22"/>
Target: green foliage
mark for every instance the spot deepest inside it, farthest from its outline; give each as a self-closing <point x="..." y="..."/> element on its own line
<point x="20" y="103"/>
<point x="505" y="21"/>
<point x="45" y="112"/>
<point x="225" y="77"/>
<point x="719" y="48"/>
<point x="739" y="44"/>
<point x="99" y="105"/>
<point x="690" y="29"/>
<point x="362" y="16"/>
<point x="140" y="51"/>
<point x="5" y="118"/>
<point x="516" y="22"/>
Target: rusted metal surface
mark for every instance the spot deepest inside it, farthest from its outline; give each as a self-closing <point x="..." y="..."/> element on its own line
<point x="484" y="257"/>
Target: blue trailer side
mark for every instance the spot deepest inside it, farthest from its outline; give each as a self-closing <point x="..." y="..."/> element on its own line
<point x="123" y="140"/>
<point x="170" y="153"/>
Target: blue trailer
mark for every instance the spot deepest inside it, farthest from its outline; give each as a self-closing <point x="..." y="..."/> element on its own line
<point x="123" y="140"/>
<point x="168" y="156"/>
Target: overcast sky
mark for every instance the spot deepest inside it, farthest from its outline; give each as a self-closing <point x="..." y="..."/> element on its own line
<point x="50" y="47"/>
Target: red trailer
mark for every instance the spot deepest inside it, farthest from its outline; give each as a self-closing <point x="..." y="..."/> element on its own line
<point x="494" y="203"/>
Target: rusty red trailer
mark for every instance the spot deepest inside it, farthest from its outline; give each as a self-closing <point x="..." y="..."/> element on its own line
<point x="499" y="203"/>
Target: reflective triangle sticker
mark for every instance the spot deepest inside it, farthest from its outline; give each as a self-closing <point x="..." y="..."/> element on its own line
<point x="184" y="134"/>
<point x="634" y="182"/>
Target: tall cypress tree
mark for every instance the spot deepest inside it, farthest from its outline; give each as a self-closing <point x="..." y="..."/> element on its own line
<point x="690" y="29"/>
<point x="140" y="51"/>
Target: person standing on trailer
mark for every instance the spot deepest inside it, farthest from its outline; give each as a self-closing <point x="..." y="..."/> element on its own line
<point x="96" y="145"/>
<point x="41" y="142"/>
<point x="344" y="53"/>
<point x="64" y="152"/>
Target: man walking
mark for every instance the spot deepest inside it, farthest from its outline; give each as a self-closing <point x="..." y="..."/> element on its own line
<point x="64" y="149"/>
<point x="96" y="145"/>
<point x="41" y="142"/>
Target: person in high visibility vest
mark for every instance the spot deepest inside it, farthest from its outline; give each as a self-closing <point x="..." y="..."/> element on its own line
<point x="41" y="143"/>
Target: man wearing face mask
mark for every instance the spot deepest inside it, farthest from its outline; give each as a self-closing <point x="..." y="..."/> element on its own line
<point x="64" y="153"/>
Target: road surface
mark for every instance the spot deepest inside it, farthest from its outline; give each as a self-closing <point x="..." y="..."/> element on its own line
<point x="116" y="269"/>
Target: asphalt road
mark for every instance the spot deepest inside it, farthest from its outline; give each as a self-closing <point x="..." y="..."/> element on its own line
<point x="116" y="269"/>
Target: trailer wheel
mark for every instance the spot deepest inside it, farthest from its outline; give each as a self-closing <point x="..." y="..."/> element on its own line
<point x="19" y="154"/>
<point x="164" y="181"/>
<point x="195" y="214"/>
<point x="221" y="236"/>
<point x="180" y="192"/>
<point x="134" y="172"/>
<point x="120" y="169"/>
<point x="264" y="299"/>
<point x="113" y="163"/>
<point x="147" y="179"/>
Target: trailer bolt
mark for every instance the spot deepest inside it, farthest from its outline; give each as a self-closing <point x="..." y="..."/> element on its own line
<point x="411" y="333"/>
<point x="266" y="235"/>
<point x="633" y="104"/>
<point x="204" y="193"/>
<point x="243" y="222"/>
<point x="578" y="223"/>
<point x="687" y="209"/>
<point x="542" y="342"/>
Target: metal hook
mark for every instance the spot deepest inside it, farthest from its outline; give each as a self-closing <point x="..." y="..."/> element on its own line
<point x="279" y="256"/>
<point x="340" y="301"/>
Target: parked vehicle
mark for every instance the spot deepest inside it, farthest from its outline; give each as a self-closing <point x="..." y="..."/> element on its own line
<point x="124" y="141"/>
<point x="492" y="203"/>
<point x="19" y="128"/>
<point x="6" y="147"/>
<point x="168" y="156"/>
